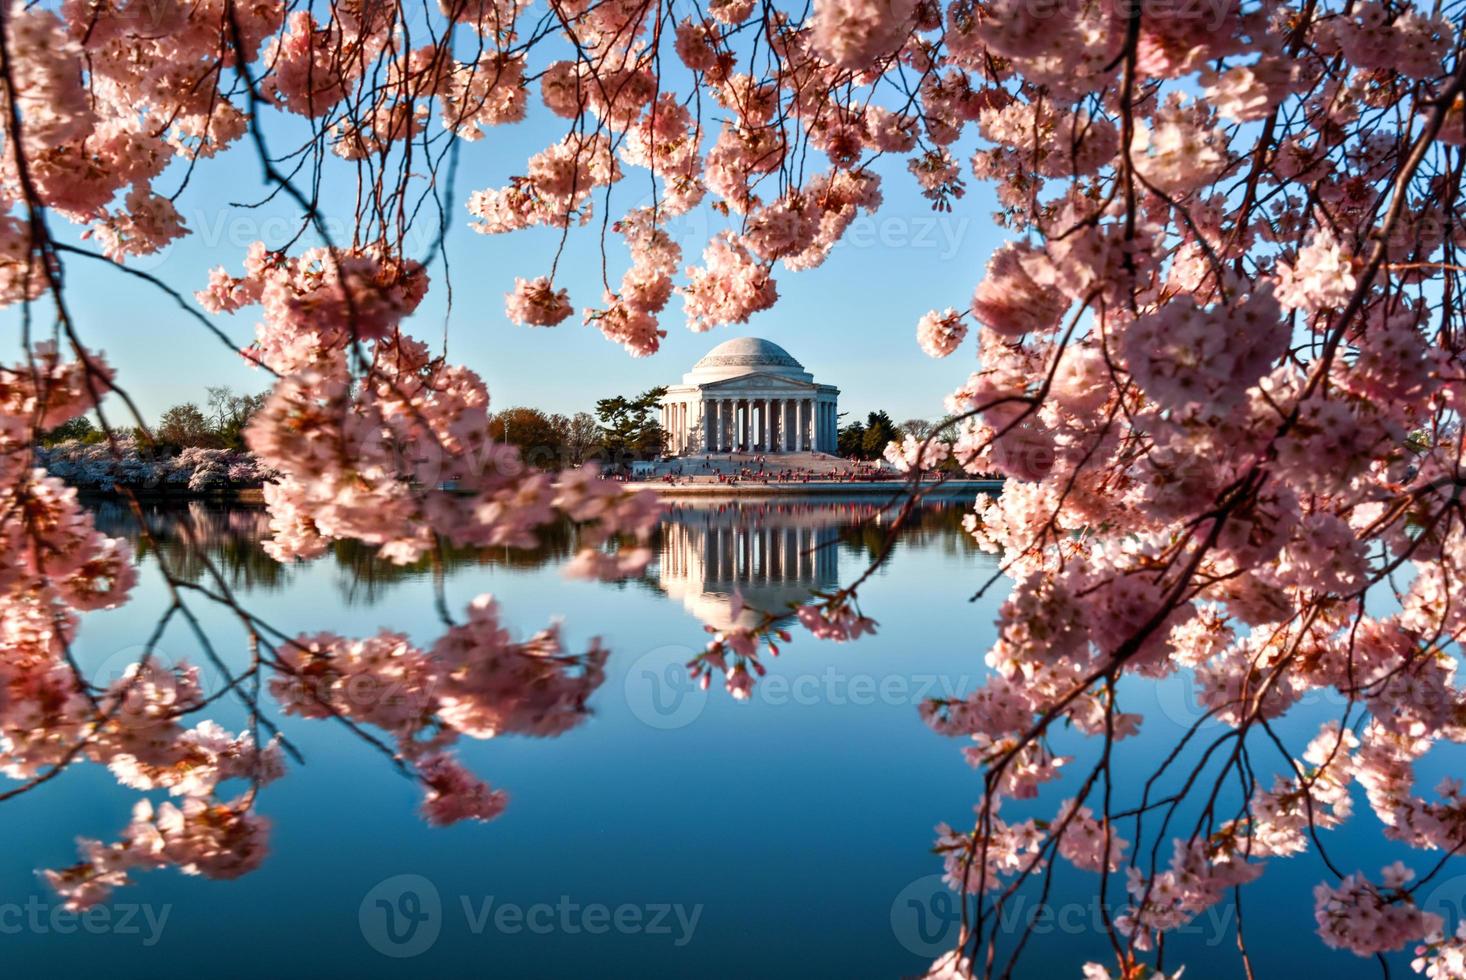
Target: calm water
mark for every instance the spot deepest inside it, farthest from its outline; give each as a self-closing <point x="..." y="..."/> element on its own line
<point x="673" y="834"/>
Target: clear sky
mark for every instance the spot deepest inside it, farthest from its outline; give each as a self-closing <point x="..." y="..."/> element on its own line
<point x="851" y="322"/>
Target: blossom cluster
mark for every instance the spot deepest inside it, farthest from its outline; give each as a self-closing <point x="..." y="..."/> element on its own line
<point x="125" y="462"/>
<point x="57" y="567"/>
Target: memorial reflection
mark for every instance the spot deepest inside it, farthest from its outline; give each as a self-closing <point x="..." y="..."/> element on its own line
<point x="772" y="555"/>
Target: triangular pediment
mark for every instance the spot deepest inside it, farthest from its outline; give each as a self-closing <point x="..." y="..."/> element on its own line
<point x="760" y="382"/>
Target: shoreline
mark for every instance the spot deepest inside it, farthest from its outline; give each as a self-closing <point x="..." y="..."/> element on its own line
<point x="745" y="488"/>
<point x="243" y="495"/>
<point x="753" y="488"/>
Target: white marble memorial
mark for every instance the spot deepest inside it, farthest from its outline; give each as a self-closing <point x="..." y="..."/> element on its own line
<point x="749" y="396"/>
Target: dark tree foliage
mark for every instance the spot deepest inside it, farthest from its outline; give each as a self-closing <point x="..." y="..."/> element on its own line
<point x="541" y="438"/>
<point x="79" y="428"/>
<point x="185" y="425"/>
<point x="629" y="426"/>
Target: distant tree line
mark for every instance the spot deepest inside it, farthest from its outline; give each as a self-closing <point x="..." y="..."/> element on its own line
<point x="220" y="426"/>
<point x="621" y="430"/>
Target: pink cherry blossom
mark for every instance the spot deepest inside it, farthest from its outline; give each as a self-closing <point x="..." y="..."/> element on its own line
<point x="537" y="303"/>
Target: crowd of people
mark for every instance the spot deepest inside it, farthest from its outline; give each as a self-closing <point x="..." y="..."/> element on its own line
<point x="760" y="468"/>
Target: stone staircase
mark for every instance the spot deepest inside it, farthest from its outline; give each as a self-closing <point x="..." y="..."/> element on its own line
<point x="711" y="464"/>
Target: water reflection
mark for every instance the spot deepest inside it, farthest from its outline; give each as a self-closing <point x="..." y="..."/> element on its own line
<point x="772" y="553"/>
<point x="773" y="556"/>
<point x="191" y="535"/>
<point x="775" y="553"/>
<point x="646" y="783"/>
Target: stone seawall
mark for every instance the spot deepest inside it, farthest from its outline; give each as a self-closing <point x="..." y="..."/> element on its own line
<point x="755" y="488"/>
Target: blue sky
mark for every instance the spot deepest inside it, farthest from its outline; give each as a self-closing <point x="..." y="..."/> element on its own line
<point x="851" y="322"/>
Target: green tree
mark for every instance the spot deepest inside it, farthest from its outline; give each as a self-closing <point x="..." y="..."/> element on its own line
<point x="540" y="438"/>
<point x="185" y="425"/>
<point x="629" y="426"/>
<point x="79" y="428"/>
<point x="851" y="442"/>
<point x="879" y="430"/>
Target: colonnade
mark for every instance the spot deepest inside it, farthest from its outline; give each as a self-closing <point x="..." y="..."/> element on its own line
<point x="768" y="424"/>
<point x="749" y="555"/>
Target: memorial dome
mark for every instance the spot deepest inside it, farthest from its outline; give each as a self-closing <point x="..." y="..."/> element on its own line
<point x="745" y="355"/>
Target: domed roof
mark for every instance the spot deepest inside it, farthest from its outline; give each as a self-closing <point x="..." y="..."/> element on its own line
<point x="745" y="355"/>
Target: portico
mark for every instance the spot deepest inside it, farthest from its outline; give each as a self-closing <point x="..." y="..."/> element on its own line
<point x="750" y="396"/>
